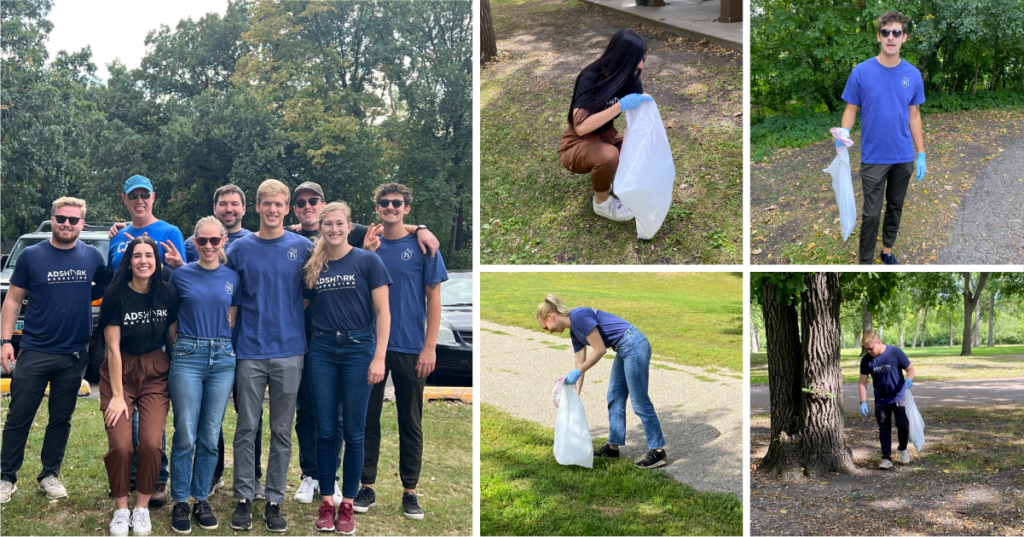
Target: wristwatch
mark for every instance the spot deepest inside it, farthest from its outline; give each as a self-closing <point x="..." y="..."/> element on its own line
<point x="419" y="228"/>
<point x="5" y="341"/>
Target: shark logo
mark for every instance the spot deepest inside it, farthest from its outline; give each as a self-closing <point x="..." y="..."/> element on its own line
<point x="293" y="254"/>
<point x="906" y="82"/>
<point x="407" y="254"/>
<point x="229" y="288"/>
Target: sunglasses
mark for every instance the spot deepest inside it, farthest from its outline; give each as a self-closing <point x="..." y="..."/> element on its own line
<point x="136" y="195"/>
<point x="312" y="202"/>
<point x="895" y="33"/>
<point x="394" y="203"/>
<point x="214" y="241"/>
<point x="73" y="219"/>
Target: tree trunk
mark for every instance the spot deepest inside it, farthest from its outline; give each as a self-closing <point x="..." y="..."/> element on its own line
<point x="917" y="331"/>
<point x="880" y="330"/>
<point x="991" y="316"/>
<point x="970" y="303"/>
<point x="865" y="315"/>
<point x="975" y="90"/>
<point x="488" y="40"/>
<point x="754" y="343"/>
<point x="924" y="325"/>
<point x="782" y="338"/>
<point x="976" y="338"/>
<point x="900" y="328"/>
<point x="950" y="327"/>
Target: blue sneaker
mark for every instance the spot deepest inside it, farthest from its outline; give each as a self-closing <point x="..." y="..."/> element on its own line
<point x="889" y="259"/>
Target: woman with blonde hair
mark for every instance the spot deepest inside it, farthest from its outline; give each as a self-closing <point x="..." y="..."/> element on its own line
<point x="629" y="377"/>
<point x="347" y="289"/>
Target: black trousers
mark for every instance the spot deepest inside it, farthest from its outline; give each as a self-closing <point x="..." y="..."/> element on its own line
<point x="28" y="384"/>
<point x="409" y="404"/>
<point x="884" y="414"/>
<point x="878" y="180"/>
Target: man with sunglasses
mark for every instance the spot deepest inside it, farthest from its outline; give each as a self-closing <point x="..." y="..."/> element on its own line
<point x="139" y="198"/>
<point x="889" y="92"/>
<point x="63" y="275"/>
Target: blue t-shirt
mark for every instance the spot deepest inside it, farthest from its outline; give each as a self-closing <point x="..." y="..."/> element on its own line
<point x="886" y="372"/>
<point x="885" y="95"/>
<point x="59" y="285"/>
<point x="192" y="253"/>
<point x="270" y="313"/>
<point x="582" y="321"/>
<point x="342" y="299"/>
<point x="411" y="271"/>
<point x="159" y="231"/>
<point x="204" y="297"/>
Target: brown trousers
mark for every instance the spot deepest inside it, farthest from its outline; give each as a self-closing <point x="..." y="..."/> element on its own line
<point x="144" y="384"/>
<point x="593" y="153"/>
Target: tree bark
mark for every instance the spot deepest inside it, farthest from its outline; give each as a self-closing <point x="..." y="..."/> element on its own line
<point x="924" y="325"/>
<point x="755" y="344"/>
<point x="978" y="314"/>
<point x="917" y="331"/>
<point x="991" y="317"/>
<point x="900" y="328"/>
<point x="970" y="303"/>
<point x="865" y="315"/>
<point x="488" y="40"/>
<point x="950" y="327"/>
<point x="782" y="338"/>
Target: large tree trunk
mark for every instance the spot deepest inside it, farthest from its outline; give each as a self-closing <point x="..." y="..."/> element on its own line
<point x="970" y="303"/>
<point x="917" y="331"/>
<point x="488" y="40"/>
<point x="991" y="316"/>
<point x="782" y="338"/>
<point x="865" y="315"/>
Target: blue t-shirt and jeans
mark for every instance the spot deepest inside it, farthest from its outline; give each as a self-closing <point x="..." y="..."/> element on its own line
<point x="630" y="374"/>
<point x="884" y="95"/>
<point x="886" y="372"/>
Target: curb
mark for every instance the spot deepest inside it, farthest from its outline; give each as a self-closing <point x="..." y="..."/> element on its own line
<point x="444" y="392"/>
<point x="696" y="35"/>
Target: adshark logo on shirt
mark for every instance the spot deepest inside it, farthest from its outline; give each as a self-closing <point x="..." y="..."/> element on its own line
<point x="67" y="276"/>
<point x="341" y="281"/>
<point x="293" y="254"/>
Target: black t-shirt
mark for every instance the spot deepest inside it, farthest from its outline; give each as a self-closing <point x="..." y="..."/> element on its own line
<point x="355" y="237"/>
<point x="586" y="83"/>
<point x="143" y="319"/>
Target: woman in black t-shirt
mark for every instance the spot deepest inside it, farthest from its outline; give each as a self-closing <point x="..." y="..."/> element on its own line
<point x="603" y="90"/>
<point x="139" y="314"/>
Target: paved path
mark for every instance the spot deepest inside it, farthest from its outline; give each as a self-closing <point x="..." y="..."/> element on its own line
<point x="947" y="394"/>
<point x="989" y="229"/>
<point x="694" y="19"/>
<point x="702" y="421"/>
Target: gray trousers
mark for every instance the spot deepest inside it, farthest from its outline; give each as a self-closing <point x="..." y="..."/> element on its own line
<point x="251" y="380"/>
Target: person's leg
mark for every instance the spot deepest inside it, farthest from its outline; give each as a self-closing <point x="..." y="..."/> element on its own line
<point x="185" y="384"/>
<point x="596" y="157"/>
<point x="409" y="407"/>
<point x="64" y="385"/>
<point x="285" y="374"/>
<point x="118" y="459"/>
<point x="872" y="179"/>
<point x="153" y="403"/>
<point x="251" y="378"/>
<point x="258" y="448"/>
<point x="28" y="384"/>
<point x="324" y="383"/>
<point x="306" y="427"/>
<point x="135" y="440"/>
<point x="216" y="390"/>
<point x="883" y="414"/>
<point x="637" y="363"/>
<point x="895" y="192"/>
<point x="371" y="441"/>
<point x="902" y="426"/>
<point x="618" y="391"/>
<point x="356" y="355"/>
<point x="218" y="471"/>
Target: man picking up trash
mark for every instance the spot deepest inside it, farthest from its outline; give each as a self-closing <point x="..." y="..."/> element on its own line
<point x="885" y="364"/>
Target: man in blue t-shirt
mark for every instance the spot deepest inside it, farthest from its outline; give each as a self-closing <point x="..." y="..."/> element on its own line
<point x="885" y="365"/>
<point x="415" y="301"/>
<point x="888" y="91"/>
<point x="139" y="198"/>
<point x="63" y="275"/>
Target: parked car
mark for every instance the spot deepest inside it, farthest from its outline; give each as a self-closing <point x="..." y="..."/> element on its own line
<point x="455" y="335"/>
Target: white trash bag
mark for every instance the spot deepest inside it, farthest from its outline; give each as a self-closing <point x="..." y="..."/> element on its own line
<point x="646" y="175"/>
<point x="916" y="421"/>
<point x="572" y="433"/>
<point x="842" y="183"/>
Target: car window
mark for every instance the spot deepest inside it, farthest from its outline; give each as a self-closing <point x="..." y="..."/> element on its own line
<point x="457" y="290"/>
<point x="101" y="244"/>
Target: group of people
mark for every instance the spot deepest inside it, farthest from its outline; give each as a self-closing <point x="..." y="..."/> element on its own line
<point x="318" y="315"/>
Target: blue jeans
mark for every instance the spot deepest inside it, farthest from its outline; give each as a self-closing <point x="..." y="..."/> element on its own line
<point x="202" y="374"/>
<point x="630" y="373"/>
<point x="338" y="363"/>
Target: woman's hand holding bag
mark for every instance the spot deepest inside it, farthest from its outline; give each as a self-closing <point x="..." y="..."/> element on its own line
<point x="633" y="101"/>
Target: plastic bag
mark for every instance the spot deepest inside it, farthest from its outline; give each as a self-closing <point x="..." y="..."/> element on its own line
<point x="842" y="183"/>
<point x="916" y="421"/>
<point x="646" y="175"/>
<point x="572" y="433"/>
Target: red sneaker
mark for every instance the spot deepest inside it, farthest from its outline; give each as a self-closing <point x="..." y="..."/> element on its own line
<point x="325" y="517"/>
<point x="346" y="524"/>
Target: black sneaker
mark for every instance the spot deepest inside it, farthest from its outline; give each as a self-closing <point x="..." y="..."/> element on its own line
<point x="275" y="522"/>
<point x="889" y="259"/>
<point x="411" y="506"/>
<point x="366" y="499"/>
<point x="180" y="522"/>
<point x="204" y="515"/>
<point x="654" y="459"/>
<point x="606" y="451"/>
<point x="241" y="519"/>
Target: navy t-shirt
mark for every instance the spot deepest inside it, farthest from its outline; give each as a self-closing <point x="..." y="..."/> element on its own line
<point x="204" y="298"/>
<point x="411" y="271"/>
<point x="192" y="253"/>
<point x="59" y="285"/>
<point x="342" y="299"/>
<point x="582" y="321"/>
<point x="585" y="84"/>
<point x="886" y="372"/>
<point x="143" y="318"/>
<point x="270" y="322"/>
<point x="159" y="231"/>
<point x="885" y="95"/>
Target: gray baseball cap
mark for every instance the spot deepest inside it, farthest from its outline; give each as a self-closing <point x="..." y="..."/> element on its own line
<point x="307" y="186"/>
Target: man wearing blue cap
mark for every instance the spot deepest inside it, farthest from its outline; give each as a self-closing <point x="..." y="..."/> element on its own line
<point x="139" y="198"/>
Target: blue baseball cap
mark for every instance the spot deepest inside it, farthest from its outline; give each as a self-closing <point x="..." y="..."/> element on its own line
<point x="137" y="181"/>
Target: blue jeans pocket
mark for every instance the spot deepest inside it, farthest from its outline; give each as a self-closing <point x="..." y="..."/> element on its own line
<point x="184" y="348"/>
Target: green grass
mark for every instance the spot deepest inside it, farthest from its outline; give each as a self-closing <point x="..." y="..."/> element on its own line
<point x="994" y="442"/>
<point x="690" y="318"/>
<point x="523" y="491"/>
<point x="446" y="483"/>
<point x="930" y="363"/>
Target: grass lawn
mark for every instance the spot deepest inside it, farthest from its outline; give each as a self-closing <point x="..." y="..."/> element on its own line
<point x="690" y="318"/>
<point x="930" y="363"/>
<point x="446" y="483"/>
<point x="523" y="491"/>
<point x="534" y="211"/>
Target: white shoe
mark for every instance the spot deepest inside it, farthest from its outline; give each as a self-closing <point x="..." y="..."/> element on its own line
<point x="141" y="524"/>
<point x="885" y="464"/>
<point x="217" y="486"/>
<point x="612" y="209"/>
<point x="337" y="492"/>
<point x="306" y="490"/>
<point x="7" y="489"/>
<point x="904" y="456"/>
<point x="52" y="488"/>
<point x="120" y="524"/>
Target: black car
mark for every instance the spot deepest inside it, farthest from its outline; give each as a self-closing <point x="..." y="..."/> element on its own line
<point x="455" y="336"/>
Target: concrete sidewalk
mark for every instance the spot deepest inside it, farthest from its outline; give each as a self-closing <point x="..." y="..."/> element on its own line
<point x="693" y="19"/>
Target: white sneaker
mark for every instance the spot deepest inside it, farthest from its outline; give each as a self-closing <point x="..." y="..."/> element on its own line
<point x="120" y="524"/>
<point x="306" y="490"/>
<point x="885" y="464"/>
<point x="140" y="521"/>
<point x="7" y="489"/>
<point x="612" y="209"/>
<point x="904" y="456"/>
<point x="52" y="487"/>
<point x="337" y="492"/>
<point x="217" y="486"/>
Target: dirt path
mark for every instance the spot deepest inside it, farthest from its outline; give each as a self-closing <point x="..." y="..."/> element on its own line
<point x="936" y="394"/>
<point x="700" y="412"/>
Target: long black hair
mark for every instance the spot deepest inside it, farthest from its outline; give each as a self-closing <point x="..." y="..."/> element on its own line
<point x="616" y="68"/>
<point x="124" y="275"/>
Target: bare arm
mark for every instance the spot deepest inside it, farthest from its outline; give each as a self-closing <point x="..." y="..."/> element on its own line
<point x="172" y="332"/>
<point x="594" y="121"/>
<point x="911" y="372"/>
<point x="598" y="350"/>
<point x="8" y="316"/>
<point x="233" y="313"/>
<point x="916" y="130"/>
<point x="849" y="116"/>
<point x="428" y="355"/>
<point x="862" y="388"/>
<point x="116" y="407"/>
<point x="382" y="308"/>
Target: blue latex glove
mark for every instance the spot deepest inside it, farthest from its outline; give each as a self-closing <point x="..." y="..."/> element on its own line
<point x="909" y="384"/>
<point x="863" y="408"/>
<point x="633" y="100"/>
<point x="573" y="376"/>
<point x="839" y="143"/>
<point x="921" y="167"/>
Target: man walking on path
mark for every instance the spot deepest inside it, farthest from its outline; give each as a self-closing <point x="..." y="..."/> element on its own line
<point x="888" y="91"/>
<point x="885" y="365"/>
<point x="59" y="274"/>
